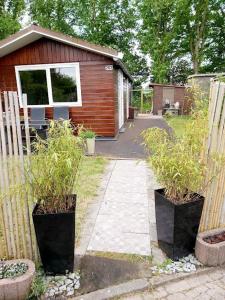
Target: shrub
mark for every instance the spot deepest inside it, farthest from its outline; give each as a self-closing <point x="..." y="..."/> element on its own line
<point x="52" y="168"/>
<point x="179" y="163"/>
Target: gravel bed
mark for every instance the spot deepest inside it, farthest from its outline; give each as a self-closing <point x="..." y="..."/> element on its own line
<point x="12" y="270"/>
<point x="62" y="285"/>
<point x="184" y="265"/>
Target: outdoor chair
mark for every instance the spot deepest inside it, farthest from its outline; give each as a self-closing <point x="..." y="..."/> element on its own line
<point x="38" y="124"/>
<point x="61" y="113"/>
<point x="37" y="118"/>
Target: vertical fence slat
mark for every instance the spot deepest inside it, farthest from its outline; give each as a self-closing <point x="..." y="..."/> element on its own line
<point x="214" y="207"/>
<point x="12" y="180"/>
<point x="26" y="202"/>
<point x="17" y="232"/>
<point x="6" y="202"/>
<point x="30" y="205"/>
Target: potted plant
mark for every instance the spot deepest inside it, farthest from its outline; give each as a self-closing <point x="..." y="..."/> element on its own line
<point x="51" y="175"/>
<point x="89" y="137"/>
<point x="179" y="168"/>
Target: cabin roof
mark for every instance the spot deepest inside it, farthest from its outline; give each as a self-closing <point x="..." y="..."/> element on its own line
<point x="166" y="85"/>
<point x="34" y="32"/>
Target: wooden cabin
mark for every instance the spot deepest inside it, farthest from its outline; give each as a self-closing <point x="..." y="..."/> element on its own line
<point x="58" y="70"/>
<point x="171" y="93"/>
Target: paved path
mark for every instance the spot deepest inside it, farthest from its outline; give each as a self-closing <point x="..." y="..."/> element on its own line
<point x="129" y="143"/>
<point x="123" y="222"/>
<point x="203" y="287"/>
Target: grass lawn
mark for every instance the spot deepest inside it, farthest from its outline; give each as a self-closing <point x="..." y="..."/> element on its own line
<point x="178" y="123"/>
<point x="86" y="188"/>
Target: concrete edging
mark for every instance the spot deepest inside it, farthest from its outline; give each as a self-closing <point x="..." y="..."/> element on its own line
<point x="18" y="287"/>
<point x="142" y="284"/>
<point x="210" y="254"/>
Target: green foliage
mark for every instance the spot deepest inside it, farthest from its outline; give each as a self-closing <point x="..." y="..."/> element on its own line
<point x="192" y="28"/>
<point x="90" y="172"/>
<point x="178" y="162"/>
<point x="175" y="31"/>
<point x="147" y="100"/>
<point x="157" y="34"/>
<point x="12" y="270"/>
<point x="39" y="285"/>
<point x="53" y="14"/>
<point x="99" y="21"/>
<point x="87" y="134"/>
<point x="179" y="71"/>
<point x="10" y="13"/>
<point x="53" y="167"/>
<point x="171" y="33"/>
<point x="214" y="52"/>
<point x="178" y="123"/>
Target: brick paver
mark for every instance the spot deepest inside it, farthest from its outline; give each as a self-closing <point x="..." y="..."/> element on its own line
<point x="202" y="287"/>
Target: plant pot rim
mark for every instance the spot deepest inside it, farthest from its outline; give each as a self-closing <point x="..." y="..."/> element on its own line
<point x="208" y="233"/>
<point x="197" y="197"/>
<point x="56" y="213"/>
<point x="29" y="273"/>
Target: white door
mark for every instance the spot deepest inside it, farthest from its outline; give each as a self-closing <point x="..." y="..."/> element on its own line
<point x="120" y="99"/>
<point x="128" y="97"/>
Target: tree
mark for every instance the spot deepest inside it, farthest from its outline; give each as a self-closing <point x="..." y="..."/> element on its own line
<point x="52" y="14"/>
<point x="179" y="70"/>
<point x="215" y="44"/>
<point x="112" y="23"/>
<point x="192" y="27"/>
<point x="10" y="13"/>
<point x="107" y="23"/>
<point x="157" y="35"/>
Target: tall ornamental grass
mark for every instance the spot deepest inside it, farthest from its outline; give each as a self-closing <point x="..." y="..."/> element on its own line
<point x="53" y="166"/>
<point x="179" y="163"/>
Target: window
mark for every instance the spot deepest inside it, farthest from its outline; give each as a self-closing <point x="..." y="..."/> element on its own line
<point x="49" y="85"/>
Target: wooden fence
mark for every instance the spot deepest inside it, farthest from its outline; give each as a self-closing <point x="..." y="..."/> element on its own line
<point x="214" y="208"/>
<point x="17" y="238"/>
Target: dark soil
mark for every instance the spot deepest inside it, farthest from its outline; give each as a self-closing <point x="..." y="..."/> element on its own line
<point x="215" y="239"/>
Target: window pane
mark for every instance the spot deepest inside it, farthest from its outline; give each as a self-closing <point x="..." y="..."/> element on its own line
<point x="34" y="84"/>
<point x="64" y="87"/>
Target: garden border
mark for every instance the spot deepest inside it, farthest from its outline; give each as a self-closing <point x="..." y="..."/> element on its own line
<point x="142" y="284"/>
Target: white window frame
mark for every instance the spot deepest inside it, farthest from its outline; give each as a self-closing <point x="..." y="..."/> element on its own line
<point x="47" y="67"/>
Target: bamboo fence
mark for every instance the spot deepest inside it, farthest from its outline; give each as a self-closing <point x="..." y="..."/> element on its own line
<point x="214" y="208"/>
<point x="17" y="238"/>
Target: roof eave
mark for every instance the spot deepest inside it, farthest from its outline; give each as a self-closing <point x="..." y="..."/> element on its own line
<point x="42" y="32"/>
<point x="122" y="66"/>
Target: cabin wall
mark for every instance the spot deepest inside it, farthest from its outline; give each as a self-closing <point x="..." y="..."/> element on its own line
<point x="98" y="111"/>
<point x="116" y="104"/>
<point x="181" y="95"/>
<point x="157" y="99"/>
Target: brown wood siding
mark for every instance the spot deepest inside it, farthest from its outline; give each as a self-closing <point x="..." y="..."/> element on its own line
<point x="157" y="99"/>
<point x="97" y="84"/>
<point x="181" y="95"/>
<point x="116" y="104"/>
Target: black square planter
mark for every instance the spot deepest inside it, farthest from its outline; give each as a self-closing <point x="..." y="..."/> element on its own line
<point x="177" y="224"/>
<point x="55" y="235"/>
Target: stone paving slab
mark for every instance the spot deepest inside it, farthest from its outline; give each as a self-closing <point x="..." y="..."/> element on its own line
<point x="115" y="196"/>
<point x="123" y="224"/>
